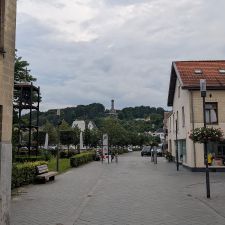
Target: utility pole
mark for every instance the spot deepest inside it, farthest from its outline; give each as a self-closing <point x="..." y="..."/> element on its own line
<point x="58" y="124"/>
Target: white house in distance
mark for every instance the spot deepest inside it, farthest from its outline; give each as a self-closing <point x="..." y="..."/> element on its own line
<point x="160" y="134"/>
<point x="81" y="125"/>
<point x="187" y="108"/>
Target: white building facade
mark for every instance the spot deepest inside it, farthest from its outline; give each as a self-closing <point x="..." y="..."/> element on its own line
<point x="187" y="110"/>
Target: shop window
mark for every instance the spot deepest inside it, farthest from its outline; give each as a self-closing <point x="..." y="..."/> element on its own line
<point x="211" y="113"/>
<point x="182" y="150"/>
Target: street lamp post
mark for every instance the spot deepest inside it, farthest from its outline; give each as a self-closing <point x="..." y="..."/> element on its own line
<point x="57" y="156"/>
<point x="203" y="95"/>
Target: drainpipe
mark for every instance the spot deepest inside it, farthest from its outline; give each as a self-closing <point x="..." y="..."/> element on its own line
<point x="193" y="126"/>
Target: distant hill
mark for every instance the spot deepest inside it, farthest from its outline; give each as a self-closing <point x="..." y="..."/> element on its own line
<point x="96" y="111"/>
<point x="139" y="112"/>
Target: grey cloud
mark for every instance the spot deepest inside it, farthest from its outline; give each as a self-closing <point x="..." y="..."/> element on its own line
<point x="130" y="62"/>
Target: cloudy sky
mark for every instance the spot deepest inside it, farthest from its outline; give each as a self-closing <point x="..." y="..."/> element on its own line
<point x="85" y="51"/>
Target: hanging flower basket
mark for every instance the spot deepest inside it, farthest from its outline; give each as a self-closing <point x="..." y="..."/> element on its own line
<point x="206" y="134"/>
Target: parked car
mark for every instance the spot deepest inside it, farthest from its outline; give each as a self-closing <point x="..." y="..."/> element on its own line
<point x="146" y="150"/>
<point x="158" y="150"/>
<point x="130" y="149"/>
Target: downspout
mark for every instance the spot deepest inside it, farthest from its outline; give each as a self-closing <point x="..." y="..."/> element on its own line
<point x="193" y="126"/>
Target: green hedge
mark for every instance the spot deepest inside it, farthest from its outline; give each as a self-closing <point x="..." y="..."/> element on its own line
<point x="24" y="173"/>
<point x="67" y="154"/>
<point x="82" y="158"/>
<point x="121" y="150"/>
<point x="22" y="159"/>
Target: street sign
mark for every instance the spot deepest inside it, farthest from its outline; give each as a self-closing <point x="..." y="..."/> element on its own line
<point x="203" y="87"/>
<point x="105" y="144"/>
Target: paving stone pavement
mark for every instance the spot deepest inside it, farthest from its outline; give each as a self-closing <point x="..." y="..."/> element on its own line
<point x="132" y="192"/>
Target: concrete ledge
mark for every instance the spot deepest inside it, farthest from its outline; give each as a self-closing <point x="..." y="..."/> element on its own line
<point x="202" y="169"/>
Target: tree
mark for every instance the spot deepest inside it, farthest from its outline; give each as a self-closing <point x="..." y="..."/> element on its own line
<point x="87" y="137"/>
<point x="64" y="126"/>
<point x="52" y="133"/>
<point x="95" y="137"/>
<point x="21" y="73"/>
<point x="115" y="131"/>
<point x="67" y="137"/>
<point x="76" y="140"/>
<point x="41" y="137"/>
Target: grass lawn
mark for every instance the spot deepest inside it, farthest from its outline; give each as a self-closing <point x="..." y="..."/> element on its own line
<point x="64" y="165"/>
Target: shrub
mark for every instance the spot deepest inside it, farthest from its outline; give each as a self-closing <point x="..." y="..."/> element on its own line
<point x="24" y="173"/>
<point x="120" y="151"/>
<point x="67" y="153"/>
<point x="46" y="155"/>
<point x="169" y="156"/>
<point x="22" y="159"/>
<point x="82" y="158"/>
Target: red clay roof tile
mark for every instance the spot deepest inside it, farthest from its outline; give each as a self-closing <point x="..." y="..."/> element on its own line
<point x="210" y="72"/>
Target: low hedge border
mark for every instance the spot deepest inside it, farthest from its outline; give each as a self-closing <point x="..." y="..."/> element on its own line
<point x="82" y="158"/>
<point x="22" y="159"/>
<point x="24" y="173"/>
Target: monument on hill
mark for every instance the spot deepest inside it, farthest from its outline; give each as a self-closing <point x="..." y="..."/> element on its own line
<point x="112" y="111"/>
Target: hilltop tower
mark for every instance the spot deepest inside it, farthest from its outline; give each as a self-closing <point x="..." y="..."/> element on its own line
<point x="112" y="111"/>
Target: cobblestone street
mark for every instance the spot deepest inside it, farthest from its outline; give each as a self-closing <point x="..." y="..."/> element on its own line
<point x="132" y="192"/>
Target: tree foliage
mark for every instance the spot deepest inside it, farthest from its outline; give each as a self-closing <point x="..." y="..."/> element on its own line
<point x="21" y="72"/>
<point x="52" y="133"/>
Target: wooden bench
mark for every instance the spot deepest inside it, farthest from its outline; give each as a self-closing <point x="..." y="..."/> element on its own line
<point x="43" y="173"/>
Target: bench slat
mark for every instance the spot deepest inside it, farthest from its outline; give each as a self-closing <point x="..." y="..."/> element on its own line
<point x="49" y="174"/>
<point x="42" y="169"/>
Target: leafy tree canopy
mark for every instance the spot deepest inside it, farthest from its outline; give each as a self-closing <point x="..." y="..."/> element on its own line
<point x="21" y="72"/>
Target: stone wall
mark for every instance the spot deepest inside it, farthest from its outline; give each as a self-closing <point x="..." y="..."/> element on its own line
<point x="7" y="68"/>
<point x="7" y="56"/>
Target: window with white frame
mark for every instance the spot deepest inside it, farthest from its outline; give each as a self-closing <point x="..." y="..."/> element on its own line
<point x="211" y="112"/>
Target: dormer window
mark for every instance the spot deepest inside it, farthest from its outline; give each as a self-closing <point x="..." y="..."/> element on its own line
<point x="222" y="71"/>
<point x="198" y="71"/>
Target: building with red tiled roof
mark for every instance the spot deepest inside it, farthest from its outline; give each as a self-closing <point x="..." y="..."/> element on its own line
<point x="187" y="109"/>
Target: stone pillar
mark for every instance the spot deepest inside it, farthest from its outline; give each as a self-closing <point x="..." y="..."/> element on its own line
<point x="5" y="175"/>
<point x="7" y="57"/>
